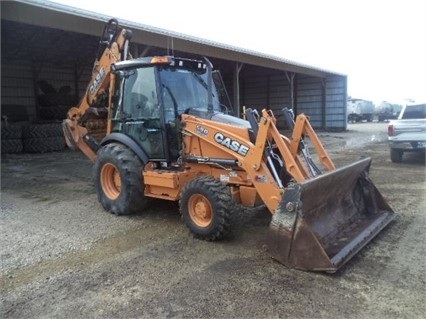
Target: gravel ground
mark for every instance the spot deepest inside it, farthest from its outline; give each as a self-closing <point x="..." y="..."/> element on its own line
<point x="62" y="256"/>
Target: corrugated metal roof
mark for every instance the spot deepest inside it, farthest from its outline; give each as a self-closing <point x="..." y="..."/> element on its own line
<point x="55" y="15"/>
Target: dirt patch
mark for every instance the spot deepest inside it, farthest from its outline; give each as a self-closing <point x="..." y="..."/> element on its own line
<point x="63" y="256"/>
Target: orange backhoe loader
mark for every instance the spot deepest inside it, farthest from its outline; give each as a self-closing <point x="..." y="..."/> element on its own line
<point x="158" y="127"/>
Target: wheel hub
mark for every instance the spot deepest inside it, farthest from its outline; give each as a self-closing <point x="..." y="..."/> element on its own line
<point x="111" y="181"/>
<point x="200" y="210"/>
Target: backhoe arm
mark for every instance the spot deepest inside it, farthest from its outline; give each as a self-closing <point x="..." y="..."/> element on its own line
<point x="88" y="119"/>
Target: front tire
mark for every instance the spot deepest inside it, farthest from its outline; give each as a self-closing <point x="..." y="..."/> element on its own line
<point x="118" y="180"/>
<point x="206" y="206"/>
<point x="396" y="155"/>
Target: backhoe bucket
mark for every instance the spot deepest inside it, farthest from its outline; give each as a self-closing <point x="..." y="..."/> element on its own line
<point x="322" y="223"/>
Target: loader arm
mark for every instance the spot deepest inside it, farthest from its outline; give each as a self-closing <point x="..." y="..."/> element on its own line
<point x="256" y="158"/>
<point x="290" y="150"/>
<point x="87" y="122"/>
<point x="303" y="128"/>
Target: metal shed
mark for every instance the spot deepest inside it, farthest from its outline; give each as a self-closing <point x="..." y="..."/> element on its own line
<point x="48" y="46"/>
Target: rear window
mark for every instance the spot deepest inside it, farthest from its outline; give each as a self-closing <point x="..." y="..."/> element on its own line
<point x="415" y="112"/>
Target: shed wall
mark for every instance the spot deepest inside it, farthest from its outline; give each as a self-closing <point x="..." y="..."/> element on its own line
<point x="309" y="98"/>
<point x="322" y="99"/>
<point x="336" y="97"/>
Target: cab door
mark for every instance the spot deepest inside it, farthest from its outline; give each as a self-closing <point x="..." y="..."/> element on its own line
<point x="139" y="114"/>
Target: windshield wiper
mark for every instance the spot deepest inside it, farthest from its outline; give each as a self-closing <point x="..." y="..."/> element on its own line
<point x="202" y="81"/>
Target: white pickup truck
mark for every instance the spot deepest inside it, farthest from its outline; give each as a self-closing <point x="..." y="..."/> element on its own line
<point x="408" y="132"/>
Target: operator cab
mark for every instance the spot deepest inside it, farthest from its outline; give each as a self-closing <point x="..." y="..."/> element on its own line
<point x="152" y="92"/>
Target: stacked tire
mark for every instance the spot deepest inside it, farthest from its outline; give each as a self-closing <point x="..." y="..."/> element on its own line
<point x="57" y="112"/>
<point x="52" y="104"/>
<point x="43" y="138"/>
<point x="11" y="138"/>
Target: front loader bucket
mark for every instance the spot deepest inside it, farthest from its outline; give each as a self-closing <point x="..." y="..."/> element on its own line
<point x="321" y="223"/>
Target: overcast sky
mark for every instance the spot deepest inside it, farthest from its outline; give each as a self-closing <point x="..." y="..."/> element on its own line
<point x="379" y="45"/>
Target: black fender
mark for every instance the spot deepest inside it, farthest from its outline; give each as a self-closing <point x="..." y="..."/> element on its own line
<point x="129" y="142"/>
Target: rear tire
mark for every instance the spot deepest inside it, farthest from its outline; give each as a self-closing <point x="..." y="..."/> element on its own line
<point x="206" y="206"/>
<point x="44" y="144"/>
<point x="396" y="155"/>
<point x="9" y="146"/>
<point x="119" y="181"/>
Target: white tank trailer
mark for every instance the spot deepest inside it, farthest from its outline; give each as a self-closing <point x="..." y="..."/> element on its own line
<point x="360" y="110"/>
